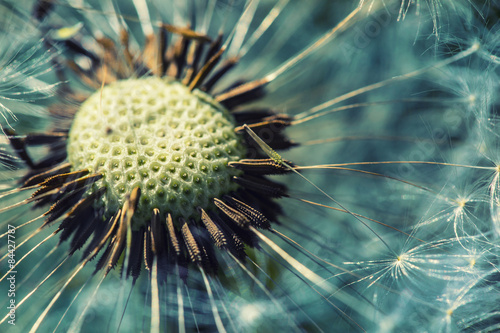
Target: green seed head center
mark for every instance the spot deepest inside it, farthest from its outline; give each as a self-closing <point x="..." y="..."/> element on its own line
<point x="156" y="134"/>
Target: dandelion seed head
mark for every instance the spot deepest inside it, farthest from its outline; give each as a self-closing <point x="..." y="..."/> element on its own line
<point x="156" y="134"/>
<point x="247" y="261"/>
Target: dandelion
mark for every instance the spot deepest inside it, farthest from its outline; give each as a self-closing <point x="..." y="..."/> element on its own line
<point x="225" y="166"/>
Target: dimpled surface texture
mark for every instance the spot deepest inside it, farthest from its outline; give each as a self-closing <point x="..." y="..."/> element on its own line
<point x="155" y="133"/>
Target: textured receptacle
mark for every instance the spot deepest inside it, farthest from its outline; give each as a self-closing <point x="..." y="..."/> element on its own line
<point x="155" y="133"/>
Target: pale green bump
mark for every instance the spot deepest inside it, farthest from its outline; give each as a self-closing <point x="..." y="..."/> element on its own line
<point x="175" y="144"/>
